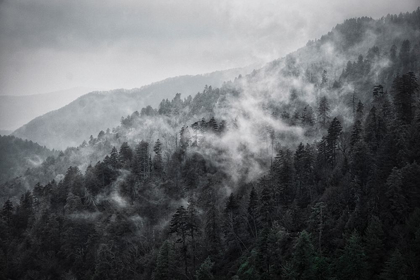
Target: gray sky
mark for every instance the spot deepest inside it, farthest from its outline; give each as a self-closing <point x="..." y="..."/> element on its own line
<point x="58" y="44"/>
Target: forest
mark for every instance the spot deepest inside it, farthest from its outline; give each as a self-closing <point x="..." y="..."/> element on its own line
<point x="305" y="169"/>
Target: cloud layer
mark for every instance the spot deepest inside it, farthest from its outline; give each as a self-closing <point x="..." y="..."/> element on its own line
<point x="57" y="44"/>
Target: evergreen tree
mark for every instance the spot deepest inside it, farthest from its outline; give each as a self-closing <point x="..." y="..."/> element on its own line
<point x="233" y="223"/>
<point x="374" y="247"/>
<point x="324" y="78"/>
<point x="253" y="213"/>
<point x="404" y="88"/>
<point x="7" y="212"/>
<point x="372" y="130"/>
<point x="359" y="110"/>
<point x="212" y="124"/>
<point x="263" y="256"/>
<point x="397" y="202"/>
<point x="165" y="267"/>
<point x="360" y="162"/>
<point x="204" y="272"/>
<point x="179" y="227"/>
<point x="267" y="207"/>
<point x="141" y="164"/>
<point x="378" y="91"/>
<point x="356" y="133"/>
<point x="323" y="111"/>
<point x="192" y="226"/>
<point x="212" y="232"/>
<point x="404" y="55"/>
<point x="307" y="117"/>
<point x="114" y="159"/>
<point x="352" y="263"/>
<point x="334" y="132"/>
<point x="302" y="265"/>
<point x="157" y="159"/>
<point x="395" y="268"/>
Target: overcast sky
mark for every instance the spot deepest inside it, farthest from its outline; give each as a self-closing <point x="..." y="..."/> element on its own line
<point x="49" y="45"/>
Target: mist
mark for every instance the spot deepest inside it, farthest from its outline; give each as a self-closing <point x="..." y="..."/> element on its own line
<point x="47" y="46"/>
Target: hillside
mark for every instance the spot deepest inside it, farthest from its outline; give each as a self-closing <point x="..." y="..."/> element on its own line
<point x="307" y="168"/>
<point x="98" y="111"/>
<point x="17" y="110"/>
<point x="17" y="155"/>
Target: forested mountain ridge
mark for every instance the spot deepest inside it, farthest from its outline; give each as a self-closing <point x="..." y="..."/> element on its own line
<point x="290" y="172"/>
<point x="98" y="110"/>
<point x="18" y="155"/>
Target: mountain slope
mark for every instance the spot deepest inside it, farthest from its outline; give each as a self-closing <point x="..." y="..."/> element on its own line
<point x="16" y="111"/>
<point x="98" y="111"/>
<point x="17" y="155"/>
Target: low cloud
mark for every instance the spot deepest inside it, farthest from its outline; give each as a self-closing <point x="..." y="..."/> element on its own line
<point x="51" y="45"/>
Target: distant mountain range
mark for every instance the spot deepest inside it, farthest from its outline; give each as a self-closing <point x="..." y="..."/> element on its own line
<point x="96" y="111"/>
<point x="16" y="111"/>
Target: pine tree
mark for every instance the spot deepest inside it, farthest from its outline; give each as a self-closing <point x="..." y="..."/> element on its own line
<point x="141" y="164"/>
<point x="322" y="156"/>
<point x="356" y="133"/>
<point x="374" y="247"/>
<point x="165" y="269"/>
<point x="404" y="88"/>
<point x="360" y="162"/>
<point x="323" y="111"/>
<point x="178" y="226"/>
<point x="125" y="155"/>
<point x="253" y="213"/>
<point x="212" y="231"/>
<point x="233" y="222"/>
<point x="192" y="226"/>
<point x="212" y="124"/>
<point x="300" y="168"/>
<point x="359" y="110"/>
<point x="404" y="55"/>
<point x="393" y="53"/>
<point x="203" y="125"/>
<point x="352" y="263"/>
<point x="222" y="126"/>
<point x="395" y="268"/>
<point x="378" y="91"/>
<point x="302" y="265"/>
<point x="114" y="159"/>
<point x="157" y="159"/>
<point x="307" y="117"/>
<point x="396" y="199"/>
<point x="263" y="256"/>
<point x="184" y="138"/>
<point x="318" y="220"/>
<point x="267" y="207"/>
<point x="372" y="130"/>
<point x="204" y="272"/>
<point x="283" y="176"/>
<point x="334" y="132"/>
<point x="324" y="78"/>
<point x="7" y="212"/>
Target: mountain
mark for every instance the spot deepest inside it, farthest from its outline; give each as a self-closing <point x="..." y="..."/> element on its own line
<point x="5" y="132"/>
<point x="97" y="111"/>
<point x="304" y="169"/>
<point x="17" y="155"/>
<point x="16" y="111"/>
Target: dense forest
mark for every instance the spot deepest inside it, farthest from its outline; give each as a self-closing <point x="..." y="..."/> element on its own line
<point x="304" y="169"/>
<point x="18" y="155"/>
